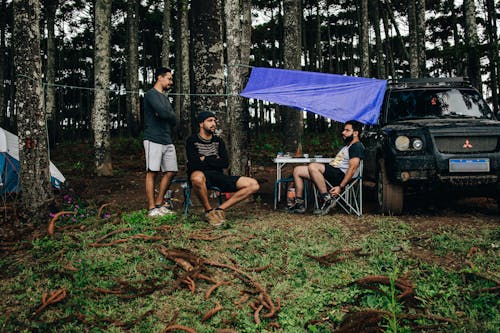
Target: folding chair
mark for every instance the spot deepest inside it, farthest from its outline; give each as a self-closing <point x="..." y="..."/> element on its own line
<point x="186" y="191"/>
<point x="286" y="181"/>
<point x="351" y="199"/>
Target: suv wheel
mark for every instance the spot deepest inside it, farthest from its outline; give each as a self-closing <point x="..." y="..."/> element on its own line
<point x="389" y="195"/>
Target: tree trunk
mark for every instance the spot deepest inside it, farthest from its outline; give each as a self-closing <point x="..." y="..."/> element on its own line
<point x="235" y="113"/>
<point x="165" y="45"/>
<point x="456" y="38"/>
<point x="208" y="59"/>
<point x="364" y="41"/>
<point x="33" y="152"/>
<point x="100" y="113"/>
<point x="50" y="102"/>
<point x="471" y="43"/>
<point x="420" y="20"/>
<point x="3" y="20"/>
<point x="378" y="40"/>
<point x="388" y="47"/>
<point x="491" y="28"/>
<point x="292" y="119"/>
<point x="412" y="34"/>
<point x="185" y="88"/>
<point x="132" y="75"/>
<point x="390" y="12"/>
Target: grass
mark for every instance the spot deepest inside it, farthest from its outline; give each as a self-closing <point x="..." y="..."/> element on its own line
<point x="314" y="297"/>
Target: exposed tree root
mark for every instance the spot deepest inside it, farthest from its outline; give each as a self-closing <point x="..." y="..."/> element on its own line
<point x="54" y="297"/>
<point x="52" y="224"/>
<point x="210" y="313"/>
<point x="212" y="288"/>
<point x="333" y="257"/>
<point x="403" y="283"/>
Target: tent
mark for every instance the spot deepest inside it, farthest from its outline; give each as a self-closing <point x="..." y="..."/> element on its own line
<point x="9" y="165"/>
<point x="337" y="97"/>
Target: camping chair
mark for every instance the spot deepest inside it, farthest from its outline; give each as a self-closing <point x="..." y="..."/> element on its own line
<point x="187" y="189"/>
<point x="351" y="199"/>
<point x="286" y="181"/>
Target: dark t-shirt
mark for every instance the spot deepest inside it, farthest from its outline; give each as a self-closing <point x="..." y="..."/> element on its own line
<point x="214" y="150"/>
<point x="159" y="117"/>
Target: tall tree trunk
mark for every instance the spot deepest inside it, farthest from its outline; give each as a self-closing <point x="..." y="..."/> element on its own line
<point x="378" y="40"/>
<point x="292" y="119"/>
<point x="3" y="20"/>
<point x="491" y="27"/>
<point x="165" y="44"/>
<point x="33" y="152"/>
<point x="235" y="107"/>
<point x="185" y="88"/>
<point x="388" y="45"/>
<point x="364" y="41"/>
<point x="412" y="33"/>
<point x="390" y="12"/>
<point x="50" y="100"/>
<point x="456" y="38"/>
<point x="132" y="75"/>
<point x="100" y="113"/>
<point x="471" y="43"/>
<point x="420" y="20"/>
<point x="208" y="58"/>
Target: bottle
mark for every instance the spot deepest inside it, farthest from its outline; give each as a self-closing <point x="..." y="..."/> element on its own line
<point x="290" y="195"/>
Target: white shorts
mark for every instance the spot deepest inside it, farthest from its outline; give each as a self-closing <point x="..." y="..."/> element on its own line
<point x="160" y="157"/>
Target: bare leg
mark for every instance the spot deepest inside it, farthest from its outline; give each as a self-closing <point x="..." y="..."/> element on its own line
<point x="150" y="188"/>
<point x="317" y="171"/>
<point x="199" y="183"/>
<point x="299" y="174"/>
<point x="164" y="184"/>
<point x="246" y="187"/>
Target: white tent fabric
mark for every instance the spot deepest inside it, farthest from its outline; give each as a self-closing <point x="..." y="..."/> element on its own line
<point x="9" y="145"/>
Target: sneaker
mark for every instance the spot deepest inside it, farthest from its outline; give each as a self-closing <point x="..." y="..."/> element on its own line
<point x="155" y="212"/>
<point x="165" y="210"/>
<point x="297" y="208"/>
<point x="213" y="218"/>
<point x="222" y="214"/>
<point x="328" y="204"/>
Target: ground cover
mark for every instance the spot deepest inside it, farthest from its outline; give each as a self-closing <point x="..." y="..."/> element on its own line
<point x="103" y="269"/>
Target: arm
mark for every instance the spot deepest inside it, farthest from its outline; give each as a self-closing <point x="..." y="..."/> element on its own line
<point x="221" y="161"/>
<point x="162" y="108"/>
<point x="193" y="156"/>
<point x="353" y="166"/>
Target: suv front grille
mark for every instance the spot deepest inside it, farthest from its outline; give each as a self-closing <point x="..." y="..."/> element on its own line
<point x="466" y="144"/>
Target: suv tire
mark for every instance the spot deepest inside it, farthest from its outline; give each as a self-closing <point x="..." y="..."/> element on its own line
<point x="389" y="195"/>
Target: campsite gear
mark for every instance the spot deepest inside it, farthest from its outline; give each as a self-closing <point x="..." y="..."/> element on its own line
<point x="9" y="165"/>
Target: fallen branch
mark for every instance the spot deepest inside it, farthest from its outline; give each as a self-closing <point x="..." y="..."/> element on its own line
<point x="55" y="297"/>
<point x="212" y="312"/>
<point x="212" y="289"/>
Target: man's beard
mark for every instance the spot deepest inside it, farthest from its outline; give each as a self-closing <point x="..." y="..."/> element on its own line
<point x="348" y="139"/>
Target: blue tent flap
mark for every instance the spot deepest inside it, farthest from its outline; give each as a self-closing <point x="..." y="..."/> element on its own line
<point x="337" y="97"/>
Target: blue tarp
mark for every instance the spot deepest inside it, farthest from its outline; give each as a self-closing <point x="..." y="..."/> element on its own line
<point x="337" y="97"/>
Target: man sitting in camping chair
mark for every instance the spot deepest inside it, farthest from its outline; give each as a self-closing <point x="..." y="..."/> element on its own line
<point x="338" y="173"/>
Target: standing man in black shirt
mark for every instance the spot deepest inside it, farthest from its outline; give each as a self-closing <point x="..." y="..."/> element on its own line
<point x="161" y="157"/>
<point x="207" y="157"/>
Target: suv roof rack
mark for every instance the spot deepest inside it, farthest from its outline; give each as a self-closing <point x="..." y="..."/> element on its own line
<point x="430" y="82"/>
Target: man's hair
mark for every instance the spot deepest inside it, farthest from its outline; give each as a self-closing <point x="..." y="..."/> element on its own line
<point x="161" y="71"/>
<point x="356" y="125"/>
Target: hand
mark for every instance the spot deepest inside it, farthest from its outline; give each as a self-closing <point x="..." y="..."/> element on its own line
<point x="335" y="191"/>
<point x="202" y="158"/>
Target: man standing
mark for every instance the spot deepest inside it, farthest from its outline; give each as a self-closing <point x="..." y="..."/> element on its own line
<point x="338" y="172"/>
<point x="159" y="119"/>
<point x="207" y="157"/>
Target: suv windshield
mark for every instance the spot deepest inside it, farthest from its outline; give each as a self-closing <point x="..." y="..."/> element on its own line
<point x="437" y="103"/>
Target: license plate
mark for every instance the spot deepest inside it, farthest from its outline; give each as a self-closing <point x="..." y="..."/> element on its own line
<point x="470" y="165"/>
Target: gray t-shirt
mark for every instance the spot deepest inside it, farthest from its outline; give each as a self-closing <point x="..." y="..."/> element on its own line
<point x="341" y="160"/>
<point x="159" y="117"/>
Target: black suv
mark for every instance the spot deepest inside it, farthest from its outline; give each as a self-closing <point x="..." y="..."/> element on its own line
<point x="432" y="133"/>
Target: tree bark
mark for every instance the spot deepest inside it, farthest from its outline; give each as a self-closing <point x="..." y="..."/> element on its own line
<point x="208" y="59"/>
<point x="185" y="88"/>
<point x="165" y="45"/>
<point x="491" y="28"/>
<point x="420" y="20"/>
<point x="32" y="134"/>
<point x="378" y="40"/>
<point x="292" y="119"/>
<point x="235" y="107"/>
<point x="412" y="34"/>
<point x="388" y="47"/>
<point x="3" y="19"/>
<point x="100" y="112"/>
<point x="50" y="101"/>
<point x="471" y="43"/>
<point x="364" y="41"/>
<point x="132" y="75"/>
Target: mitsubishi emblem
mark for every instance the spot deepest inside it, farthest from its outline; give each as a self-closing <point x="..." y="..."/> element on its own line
<point x="467" y="144"/>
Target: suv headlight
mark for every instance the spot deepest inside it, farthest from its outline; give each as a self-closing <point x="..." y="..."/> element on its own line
<point x="404" y="143"/>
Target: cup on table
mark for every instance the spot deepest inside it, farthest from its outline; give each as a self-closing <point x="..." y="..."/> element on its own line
<point x="306" y="155"/>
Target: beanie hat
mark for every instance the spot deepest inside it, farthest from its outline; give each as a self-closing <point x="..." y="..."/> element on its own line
<point x="204" y="115"/>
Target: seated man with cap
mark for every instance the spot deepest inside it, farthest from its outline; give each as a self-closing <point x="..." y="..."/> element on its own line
<point x="206" y="159"/>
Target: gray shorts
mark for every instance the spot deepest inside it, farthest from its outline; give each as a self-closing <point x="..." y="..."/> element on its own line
<point x="160" y="157"/>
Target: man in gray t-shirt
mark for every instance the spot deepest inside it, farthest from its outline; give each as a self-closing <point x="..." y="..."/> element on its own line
<point x="161" y="157"/>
